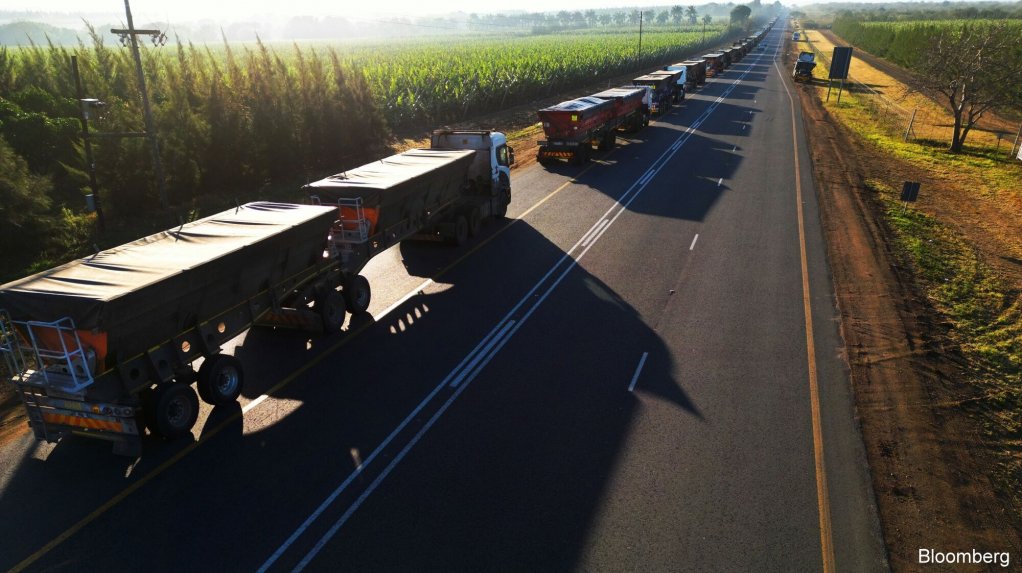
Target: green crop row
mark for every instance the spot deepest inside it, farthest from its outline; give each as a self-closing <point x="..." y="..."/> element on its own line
<point x="233" y="119"/>
<point x="904" y="42"/>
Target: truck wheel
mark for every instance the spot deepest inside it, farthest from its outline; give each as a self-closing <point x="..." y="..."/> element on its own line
<point x="357" y="294"/>
<point x="608" y="141"/>
<point x="475" y="222"/>
<point x="220" y="379"/>
<point x="331" y="310"/>
<point x="174" y="410"/>
<point x="460" y="231"/>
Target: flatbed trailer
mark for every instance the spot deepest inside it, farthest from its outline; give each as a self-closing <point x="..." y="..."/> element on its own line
<point x="573" y="127"/>
<point x="104" y="345"/>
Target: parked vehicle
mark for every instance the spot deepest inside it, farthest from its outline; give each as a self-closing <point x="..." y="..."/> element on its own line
<point x="104" y="346"/>
<point x="714" y="63"/>
<point x="677" y="82"/>
<point x="696" y="74"/>
<point x="663" y="92"/>
<point x="804" y="66"/>
<point x="574" y="126"/>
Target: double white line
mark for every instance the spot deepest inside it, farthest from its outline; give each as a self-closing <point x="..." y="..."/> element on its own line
<point x="469" y="368"/>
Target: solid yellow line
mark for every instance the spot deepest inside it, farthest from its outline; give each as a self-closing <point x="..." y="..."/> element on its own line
<point x="822" y="495"/>
<point x="96" y="513"/>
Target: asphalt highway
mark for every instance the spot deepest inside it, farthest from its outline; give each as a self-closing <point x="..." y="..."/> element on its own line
<point x="616" y="378"/>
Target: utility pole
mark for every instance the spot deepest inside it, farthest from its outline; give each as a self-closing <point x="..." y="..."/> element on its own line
<point x="131" y="34"/>
<point x="85" y="105"/>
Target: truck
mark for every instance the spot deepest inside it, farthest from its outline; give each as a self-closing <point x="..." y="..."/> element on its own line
<point x="442" y="193"/>
<point x="804" y="66"/>
<point x="714" y="63"/>
<point x="574" y="126"/>
<point x="677" y="78"/>
<point x="696" y="74"/>
<point x="728" y="56"/>
<point x="106" y="346"/>
<point x="663" y="92"/>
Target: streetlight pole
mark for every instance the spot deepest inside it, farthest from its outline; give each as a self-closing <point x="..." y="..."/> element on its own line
<point x="150" y="127"/>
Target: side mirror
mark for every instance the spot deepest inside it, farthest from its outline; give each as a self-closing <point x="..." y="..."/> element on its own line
<point x="510" y="155"/>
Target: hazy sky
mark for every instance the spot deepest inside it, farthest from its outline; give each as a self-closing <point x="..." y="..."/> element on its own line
<point x="170" y="10"/>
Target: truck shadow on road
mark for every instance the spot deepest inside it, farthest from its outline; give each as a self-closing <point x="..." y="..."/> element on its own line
<point x="522" y="458"/>
<point x="687" y="187"/>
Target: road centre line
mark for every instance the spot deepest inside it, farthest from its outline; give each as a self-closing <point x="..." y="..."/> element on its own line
<point x="621" y="206"/>
<point x="720" y="182"/>
<point x="472" y="365"/>
<point x="594" y="232"/>
<point x="638" y="370"/>
<point x="693" y="245"/>
<point x="822" y="491"/>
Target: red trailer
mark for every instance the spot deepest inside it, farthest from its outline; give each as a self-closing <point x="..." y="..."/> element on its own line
<point x="573" y="127"/>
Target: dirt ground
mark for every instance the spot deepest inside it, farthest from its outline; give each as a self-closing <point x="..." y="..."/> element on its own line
<point x="986" y="214"/>
<point x="929" y="478"/>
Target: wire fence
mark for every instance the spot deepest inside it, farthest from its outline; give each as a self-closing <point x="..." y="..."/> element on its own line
<point x="900" y="118"/>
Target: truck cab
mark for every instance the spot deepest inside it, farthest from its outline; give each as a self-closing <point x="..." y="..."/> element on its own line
<point x="494" y="157"/>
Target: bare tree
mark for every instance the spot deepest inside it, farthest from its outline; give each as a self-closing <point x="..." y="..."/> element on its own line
<point x="976" y="67"/>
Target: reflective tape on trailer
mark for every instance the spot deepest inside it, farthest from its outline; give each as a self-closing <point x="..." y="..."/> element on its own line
<point x="107" y="424"/>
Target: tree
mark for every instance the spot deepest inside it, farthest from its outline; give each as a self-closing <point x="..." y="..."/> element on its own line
<point x="740" y="14"/>
<point x="662" y="17"/>
<point x="606" y="19"/>
<point x="677" y="14"/>
<point x="706" y="21"/>
<point x="24" y="196"/>
<point x="591" y="18"/>
<point x="976" y="67"/>
<point x="634" y="16"/>
<point x="692" y="15"/>
<point x="620" y="18"/>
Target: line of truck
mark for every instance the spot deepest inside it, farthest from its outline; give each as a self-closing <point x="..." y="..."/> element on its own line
<point x="572" y="128"/>
<point x="106" y="346"/>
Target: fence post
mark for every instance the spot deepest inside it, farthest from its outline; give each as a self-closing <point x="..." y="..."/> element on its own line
<point x="1012" y="150"/>
<point x="908" y="130"/>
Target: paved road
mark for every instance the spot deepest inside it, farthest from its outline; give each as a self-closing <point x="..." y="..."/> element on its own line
<point x="616" y="379"/>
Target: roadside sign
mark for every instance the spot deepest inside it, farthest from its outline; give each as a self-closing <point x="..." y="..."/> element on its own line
<point x="840" y="62"/>
<point x="1020" y="153"/>
<point x="910" y="191"/>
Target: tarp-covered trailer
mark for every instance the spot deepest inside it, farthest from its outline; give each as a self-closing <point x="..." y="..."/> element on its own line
<point x="714" y="63"/>
<point x="677" y="82"/>
<point x="728" y="57"/>
<point x="696" y="75"/>
<point x="98" y="345"/>
<point x="631" y="107"/>
<point x="663" y="90"/>
<point x="572" y="126"/>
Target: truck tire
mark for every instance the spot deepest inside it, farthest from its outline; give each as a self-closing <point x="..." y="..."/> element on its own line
<point x="220" y="379"/>
<point x="357" y="294"/>
<point x="608" y="141"/>
<point x="475" y="221"/>
<point x="460" y="231"/>
<point x="173" y="410"/>
<point x="331" y="310"/>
